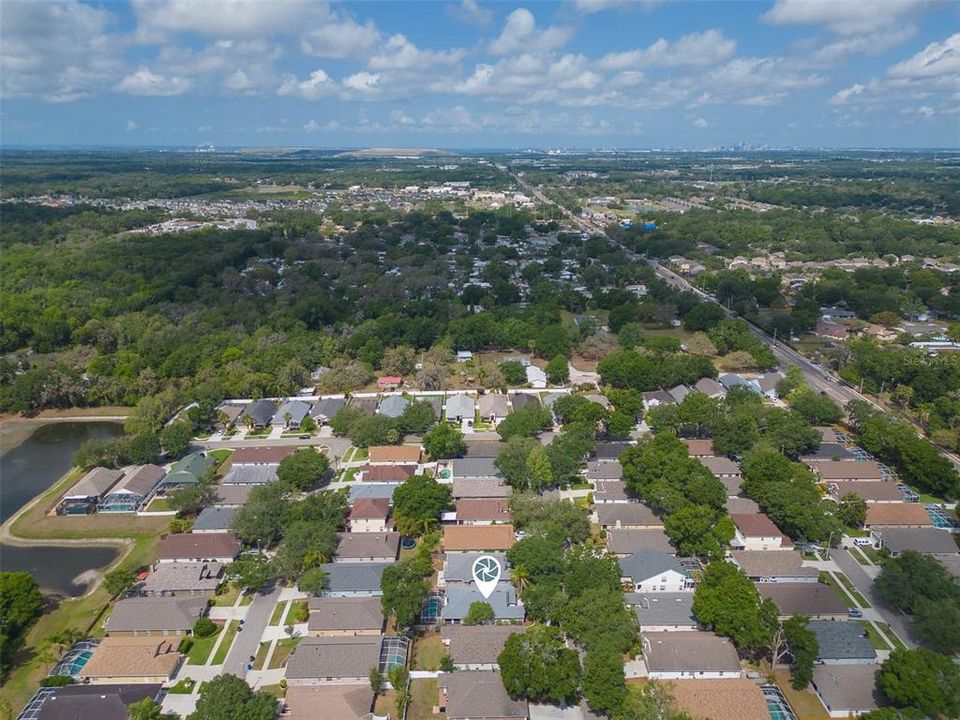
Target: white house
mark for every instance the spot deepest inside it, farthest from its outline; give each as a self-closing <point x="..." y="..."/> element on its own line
<point x="536" y="377"/>
<point x="651" y="571"/>
<point x="755" y="531"/>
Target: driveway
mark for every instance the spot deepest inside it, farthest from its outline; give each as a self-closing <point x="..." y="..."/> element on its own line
<point x="247" y="643"/>
<point x="890" y="615"/>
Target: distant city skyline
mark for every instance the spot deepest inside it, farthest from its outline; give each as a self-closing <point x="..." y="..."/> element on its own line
<point x="572" y="74"/>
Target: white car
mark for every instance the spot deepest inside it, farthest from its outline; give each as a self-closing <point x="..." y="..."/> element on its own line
<point x="862" y="542"/>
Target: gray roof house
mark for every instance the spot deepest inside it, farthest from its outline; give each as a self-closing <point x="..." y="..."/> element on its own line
<point x="318" y="660"/>
<point x="187" y="470"/>
<point x="626" y="515"/>
<point x="628" y="541"/>
<point x="372" y="490"/>
<point x="250" y="475"/>
<point x="232" y="495"/>
<point x="476" y="647"/>
<point x="478" y="695"/>
<point x="367" y="546"/>
<point x="460" y="407"/>
<point x="522" y="399"/>
<point x="678" y="393"/>
<point x="103" y="702"/>
<point x="646" y="564"/>
<point x="325" y="408"/>
<point x="259" y="413"/>
<point x="842" y="643"/>
<point x="653" y="398"/>
<point x="458" y="567"/>
<point x="604" y="470"/>
<point x="493" y="407"/>
<point x="922" y="540"/>
<point x="480" y="487"/>
<point x="183" y="578"/>
<point x="732" y="380"/>
<point x="155" y="615"/>
<point x="84" y="495"/>
<point x="813" y="599"/>
<point x="689" y="655"/>
<point x="846" y="690"/>
<point x="663" y="612"/>
<point x="213" y="519"/>
<point x="475" y="467"/>
<point x="710" y="387"/>
<point x="504" y="601"/>
<point x="135" y="486"/>
<point x="392" y="406"/>
<point x="296" y="409"/>
<point x="359" y="579"/>
<point x="339" y="615"/>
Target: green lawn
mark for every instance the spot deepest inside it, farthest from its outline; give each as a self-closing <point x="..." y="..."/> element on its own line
<point x="231" y="632"/>
<point x="159" y="504"/>
<point x="261" y="657"/>
<point x="282" y="652"/>
<point x="359" y="454"/>
<point x="857" y="554"/>
<point x="581" y="486"/>
<point x="874" y="636"/>
<point x="852" y="591"/>
<point x="424" y="699"/>
<point x="349" y="475"/>
<point x="278" y="612"/>
<point x="827" y="578"/>
<point x="427" y="652"/>
<point x="290" y="619"/>
<point x="229" y="592"/>
<point x="894" y="638"/>
<point x="220" y="455"/>
<point x="184" y="687"/>
<point x="201" y="648"/>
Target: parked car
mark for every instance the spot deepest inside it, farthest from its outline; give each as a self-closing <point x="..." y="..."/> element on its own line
<point x="862" y="542"/>
<point x="855" y="612"/>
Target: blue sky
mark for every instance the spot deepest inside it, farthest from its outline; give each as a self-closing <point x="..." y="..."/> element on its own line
<point x="467" y="73"/>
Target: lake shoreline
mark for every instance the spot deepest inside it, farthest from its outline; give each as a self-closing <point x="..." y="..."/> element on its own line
<point x="16" y="429"/>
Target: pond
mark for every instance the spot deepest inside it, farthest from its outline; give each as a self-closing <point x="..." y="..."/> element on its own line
<point x="28" y="470"/>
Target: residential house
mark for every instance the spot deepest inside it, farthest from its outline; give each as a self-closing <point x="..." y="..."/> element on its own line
<point x="871" y="491"/>
<point x="814" y="599"/>
<point x="634" y="516"/>
<point x="678" y="393"/>
<point x="389" y="382"/>
<point x="259" y="413"/>
<point x="369" y="515"/>
<point x="842" y="643"/>
<point x="249" y="475"/>
<point x="132" y="659"/>
<point x="328" y="702"/>
<point x="213" y="519"/>
<point x="480" y="487"/>
<point x="457" y="600"/>
<point x="656" y="398"/>
<point x="742" y="505"/>
<point x="731" y="380"/>
<point x="353" y="580"/>
<point x="372" y="490"/>
<point x="897" y="515"/>
<point x="931" y="541"/>
<point x="220" y="547"/>
<point x="83" y="495"/>
<point x="260" y="456"/>
<point x="371" y="547"/>
<point x="187" y="471"/>
<point x="710" y="387"/>
<point x="476" y="647"/>
<point x="493" y="407"/>
<point x="77" y="702"/>
<point x="610" y="491"/>
<point x="230" y="413"/>
<point x="324" y="409"/>
<point x="699" y="448"/>
<point x="474" y="467"/>
<point x="477" y="695"/>
<point x="343" y="616"/>
<point x="183" y="578"/>
<point x="536" y="378"/>
<point x="731" y="699"/>
<point x="324" y="660"/>
<point x="290" y="414"/>
<point x="394" y="455"/>
<point x="843" y="470"/>
<point x="653" y="571"/>
<point x="689" y="655"/>
<point x="458" y="567"/>
<point x="136" y="485"/>
<point x="174" y="615"/>
<point x="482" y="511"/>
<point x="846" y="690"/>
<point x="768" y="384"/>
<point x="387" y="473"/>
<point x="467" y="538"/>
<point x="464" y="356"/>
<point x="756" y="532"/>
<point x="461" y="408"/>
<point x="830" y="451"/>
<point x="663" y="611"/>
<point x="603" y="470"/>
<point x="627" y="542"/>
<point x="722" y="467"/>
<point x="392" y="406"/>
<point x="774" y="566"/>
<point x="364" y="404"/>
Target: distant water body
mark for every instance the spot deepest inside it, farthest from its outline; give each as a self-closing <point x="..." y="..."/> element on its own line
<point x="28" y="470"/>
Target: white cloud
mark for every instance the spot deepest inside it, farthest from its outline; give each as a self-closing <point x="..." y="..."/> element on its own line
<point x="844" y="95"/>
<point x="223" y="18"/>
<point x="316" y="86"/>
<point x="520" y="34"/>
<point x="340" y="38"/>
<point x="470" y="12"/>
<point x="926" y="111"/>
<point x="401" y="118"/>
<point x="131" y="126"/>
<point x="400" y="54"/>
<point x="757" y="81"/>
<point x="363" y="83"/>
<point x="936" y="60"/>
<point x="700" y="122"/>
<point x="311" y="126"/>
<point x="532" y="77"/>
<point x="836" y="52"/>
<point x="146" y="82"/>
<point x="592" y="6"/>
<point x="59" y="51"/>
<point x="844" y="17"/>
<point x="696" y="49"/>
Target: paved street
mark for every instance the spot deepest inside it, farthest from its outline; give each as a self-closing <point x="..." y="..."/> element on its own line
<point x="247" y="642"/>
<point x="862" y="582"/>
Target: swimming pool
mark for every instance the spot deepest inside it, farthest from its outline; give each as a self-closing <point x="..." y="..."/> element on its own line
<point x="408" y="543"/>
<point x="75" y="659"/>
<point x="431" y="609"/>
<point x="777" y="704"/>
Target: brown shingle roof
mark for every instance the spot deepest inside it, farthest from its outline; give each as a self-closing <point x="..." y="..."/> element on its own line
<point x="189" y="546"/>
<point x="260" y="455"/>
<point x="364" y="545"/>
<point x="483" y="509"/>
<point x="132" y="657"/>
<point x="755" y="525"/>
<point x="897" y="514"/>
<point x="394" y="454"/>
<point x="328" y="702"/>
<point x="846" y="469"/>
<point x="477" y="644"/>
<point x="772" y="563"/>
<point x="339" y="614"/>
<point x="732" y="699"/>
<point x="699" y="448"/>
<point x="370" y="508"/>
<point x="694" y="651"/>
<point x="803" y="597"/>
<point x="478" y="537"/>
<point x="388" y="473"/>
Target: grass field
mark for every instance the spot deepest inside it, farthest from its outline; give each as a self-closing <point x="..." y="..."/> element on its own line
<point x="201" y="648"/>
<point x="184" y="687"/>
<point x="282" y="652"/>
<point x="827" y="578"/>
<point x="427" y="652"/>
<point x="220" y="455"/>
<point x="278" y="611"/>
<point x="804" y="703"/>
<point x="423" y="699"/>
<point x="261" y="657"/>
<point x="874" y="636"/>
<point x="852" y="591"/>
<point x="291" y="619"/>
<point x="894" y="638"/>
<point x="230" y="632"/>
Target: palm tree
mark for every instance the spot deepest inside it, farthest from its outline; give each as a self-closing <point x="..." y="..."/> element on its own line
<point x="520" y="577"/>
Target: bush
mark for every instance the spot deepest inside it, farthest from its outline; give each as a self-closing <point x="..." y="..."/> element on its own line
<point x="204" y="627"/>
<point x="57" y="681"/>
<point x="185" y="645"/>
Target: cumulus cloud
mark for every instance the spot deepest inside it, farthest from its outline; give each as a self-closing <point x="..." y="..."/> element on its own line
<point x="836" y="52"/>
<point x="146" y="82"/>
<point x="844" y="17"/>
<point x="363" y="83"/>
<point x="841" y="97"/>
<point x="520" y="34"/>
<point x="131" y="126"/>
<point x="696" y="49"/>
<point x="400" y="54"/>
<point x="700" y="122"/>
<point x="316" y="86"/>
<point x="938" y="59"/>
<point x="340" y="38"/>
<point x="757" y="81"/>
<point x="532" y="77"/>
<point x="470" y="12"/>
<point x="224" y="18"/>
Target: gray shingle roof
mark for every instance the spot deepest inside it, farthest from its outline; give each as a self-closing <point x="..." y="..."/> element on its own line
<point x="364" y="545"/>
<point x="361" y="577"/>
<point x="174" y="577"/>
<point x="689" y="652"/>
<point x="345" y="614"/>
<point x="460" y="406"/>
<point x="808" y="598"/>
<point x="627" y="514"/>
<point x="372" y="490"/>
<point x="474" y="467"/>
<point x="94" y="484"/>
<point x="846" y="687"/>
<point x="155" y="614"/>
<point x="261" y="411"/>
<point x="393" y="406"/>
<point x="841" y="640"/>
<point x="139" y="479"/>
<point x="214" y="518"/>
<point x="334" y="657"/>
<point x="298" y="410"/>
<point x="627" y="541"/>
<point x="925" y="540"/>
<point x="662" y="609"/>
<point x="104" y="702"/>
<point x="648" y="563"/>
<point x="503" y="600"/>
<point x="250" y="475"/>
<point x="326" y="408"/>
<point x="477" y="644"/>
<point x="458" y="567"/>
<point x="478" y="694"/>
<point x="480" y="488"/>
